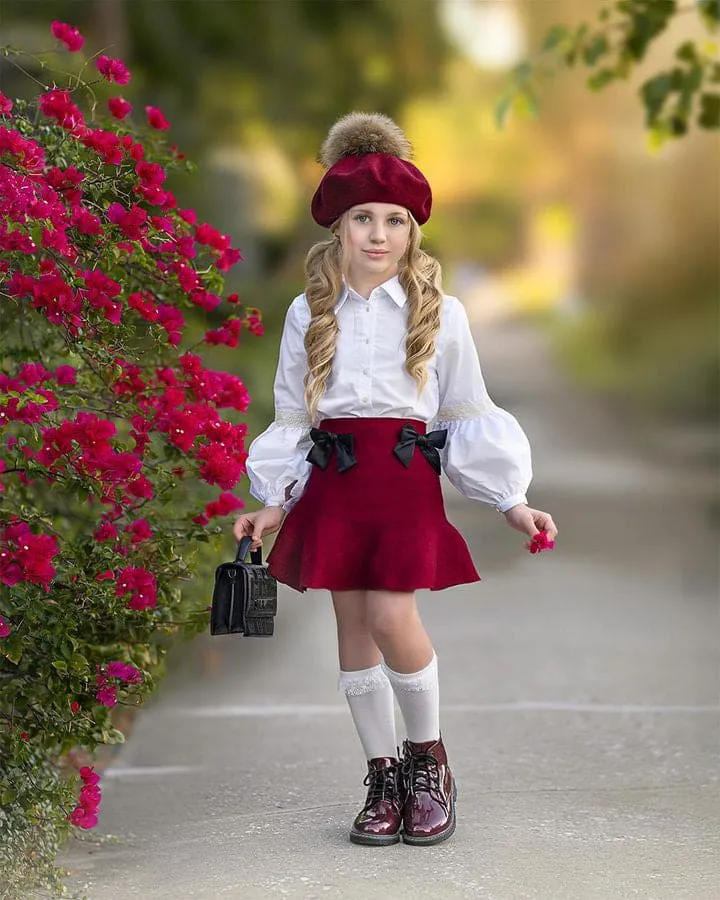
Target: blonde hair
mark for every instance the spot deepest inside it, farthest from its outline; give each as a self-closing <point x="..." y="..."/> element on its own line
<point x="421" y="278"/>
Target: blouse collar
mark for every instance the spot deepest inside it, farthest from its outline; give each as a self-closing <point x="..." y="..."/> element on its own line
<point x="391" y="287"/>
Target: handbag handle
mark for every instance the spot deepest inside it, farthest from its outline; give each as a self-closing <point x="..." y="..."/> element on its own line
<point x="242" y="550"/>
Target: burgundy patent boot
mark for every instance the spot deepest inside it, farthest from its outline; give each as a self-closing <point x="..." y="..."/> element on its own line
<point x="429" y="808"/>
<point x="378" y="822"/>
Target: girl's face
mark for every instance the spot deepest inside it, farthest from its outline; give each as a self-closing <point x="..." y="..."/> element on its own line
<point x="375" y="237"/>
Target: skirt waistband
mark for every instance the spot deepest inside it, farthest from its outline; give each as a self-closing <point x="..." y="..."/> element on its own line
<point x="378" y="425"/>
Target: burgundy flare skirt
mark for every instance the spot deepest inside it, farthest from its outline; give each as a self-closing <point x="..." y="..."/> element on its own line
<point x="375" y="526"/>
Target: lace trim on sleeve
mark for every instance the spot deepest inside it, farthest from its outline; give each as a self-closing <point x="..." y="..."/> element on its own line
<point x="292" y="419"/>
<point x="470" y="410"/>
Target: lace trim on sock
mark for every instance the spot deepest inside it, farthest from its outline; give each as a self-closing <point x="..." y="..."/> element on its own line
<point x="364" y="681"/>
<point x="423" y="680"/>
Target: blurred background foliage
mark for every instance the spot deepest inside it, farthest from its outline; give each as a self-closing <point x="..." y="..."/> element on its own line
<point x="570" y="214"/>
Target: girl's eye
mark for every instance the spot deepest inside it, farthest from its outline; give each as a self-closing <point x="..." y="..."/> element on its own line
<point x="396" y="220"/>
<point x="360" y="217"/>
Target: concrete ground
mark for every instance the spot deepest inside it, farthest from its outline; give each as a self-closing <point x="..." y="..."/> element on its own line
<point x="580" y="705"/>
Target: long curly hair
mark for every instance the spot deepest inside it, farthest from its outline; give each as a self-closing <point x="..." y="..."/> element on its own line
<point x="421" y="278"/>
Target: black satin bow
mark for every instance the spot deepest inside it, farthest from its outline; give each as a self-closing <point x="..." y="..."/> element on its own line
<point x="322" y="448"/>
<point x="429" y="445"/>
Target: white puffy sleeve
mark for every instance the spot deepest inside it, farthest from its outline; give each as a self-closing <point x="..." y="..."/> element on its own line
<point x="276" y="458"/>
<point x="487" y="454"/>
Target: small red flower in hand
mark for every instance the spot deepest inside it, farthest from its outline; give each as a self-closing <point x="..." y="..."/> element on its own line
<point x="540" y="542"/>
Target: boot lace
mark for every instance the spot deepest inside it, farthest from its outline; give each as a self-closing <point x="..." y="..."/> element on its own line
<point x="422" y="775"/>
<point x="382" y="784"/>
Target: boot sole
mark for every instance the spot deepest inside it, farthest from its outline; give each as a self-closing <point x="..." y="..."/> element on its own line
<point x="374" y="840"/>
<point x="434" y="838"/>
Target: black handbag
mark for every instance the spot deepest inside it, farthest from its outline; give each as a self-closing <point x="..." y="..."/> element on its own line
<point x="245" y="596"/>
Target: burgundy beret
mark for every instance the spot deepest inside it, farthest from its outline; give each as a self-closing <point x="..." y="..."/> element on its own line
<point x="371" y="178"/>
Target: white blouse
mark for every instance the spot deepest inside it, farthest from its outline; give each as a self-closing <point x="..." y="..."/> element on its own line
<point x="486" y="455"/>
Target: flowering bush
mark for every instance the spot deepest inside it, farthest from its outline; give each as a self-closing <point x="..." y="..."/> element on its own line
<point x="109" y="425"/>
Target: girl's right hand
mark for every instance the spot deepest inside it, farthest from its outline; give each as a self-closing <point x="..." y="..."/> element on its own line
<point x="256" y="524"/>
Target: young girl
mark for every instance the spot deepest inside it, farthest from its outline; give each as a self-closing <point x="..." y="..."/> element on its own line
<point x="370" y="354"/>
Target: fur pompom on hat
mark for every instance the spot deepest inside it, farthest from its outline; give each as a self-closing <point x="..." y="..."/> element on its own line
<point x="367" y="157"/>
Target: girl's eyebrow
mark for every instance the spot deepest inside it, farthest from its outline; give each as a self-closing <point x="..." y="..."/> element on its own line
<point x="390" y="215"/>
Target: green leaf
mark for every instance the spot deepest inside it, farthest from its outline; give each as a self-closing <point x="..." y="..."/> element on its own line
<point x="709" y="12"/>
<point x="502" y="108"/>
<point x="687" y="52"/>
<point x="60" y="665"/>
<point x="709" y="111"/>
<point x="597" y="48"/>
<point x="525" y="104"/>
<point x="556" y="35"/>
<point x="78" y="663"/>
<point x="654" y="93"/>
<point x="599" y="80"/>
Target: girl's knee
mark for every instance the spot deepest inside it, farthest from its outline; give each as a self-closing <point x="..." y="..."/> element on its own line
<point x="390" y="619"/>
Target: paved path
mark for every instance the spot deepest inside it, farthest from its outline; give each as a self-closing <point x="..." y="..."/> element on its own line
<point x="580" y="695"/>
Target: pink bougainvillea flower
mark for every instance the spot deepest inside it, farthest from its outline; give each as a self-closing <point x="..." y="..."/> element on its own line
<point x="125" y="672"/>
<point x="58" y="105"/>
<point x="226" y="503"/>
<point x="89" y="775"/>
<point x="113" y="69"/>
<point x="228" y="334"/>
<point x="254" y="322"/>
<point x="70" y="36"/>
<point x="85" y="813"/>
<point x="4" y="628"/>
<point x="66" y="375"/>
<point x="140" y="584"/>
<point x="156" y="119"/>
<point x="119" y="107"/>
<point x="83" y="819"/>
<point x="139" y="531"/>
<point x="105" y="532"/>
<point x="107" y="696"/>
<point x="540" y="542"/>
<point x="105" y="143"/>
<point x="6" y="105"/>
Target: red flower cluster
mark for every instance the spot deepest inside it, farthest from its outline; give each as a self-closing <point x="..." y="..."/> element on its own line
<point x="85" y="814"/>
<point x="125" y="673"/>
<point x="223" y="506"/>
<point x="5" y="630"/>
<point x="540" y="542"/>
<point x="70" y="36"/>
<point x="139" y="584"/>
<point x="156" y="119"/>
<point x="119" y="108"/>
<point x="29" y="378"/>
<point x="25" y="556"/>
<point x="83" y="445"/>
<point x="113" y="69"/>
<point x="211" y="237"/>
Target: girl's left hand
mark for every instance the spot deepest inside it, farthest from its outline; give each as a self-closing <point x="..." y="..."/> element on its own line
<point x="531" y="521"/>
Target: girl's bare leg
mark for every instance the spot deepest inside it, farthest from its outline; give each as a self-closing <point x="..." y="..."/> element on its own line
<point x="394" y="622"/>
<point x="356" y="647"/>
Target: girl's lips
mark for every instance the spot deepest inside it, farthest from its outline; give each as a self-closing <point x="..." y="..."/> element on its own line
<point x="376" y="252"/>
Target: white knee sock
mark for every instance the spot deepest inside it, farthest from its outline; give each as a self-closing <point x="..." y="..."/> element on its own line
<point x="370" y="698"/>
<point x="418" y="696"/>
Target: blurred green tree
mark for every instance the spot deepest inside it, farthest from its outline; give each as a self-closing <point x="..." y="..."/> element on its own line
<point x="673" y="99"/>
<point x="295" y="64"/>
